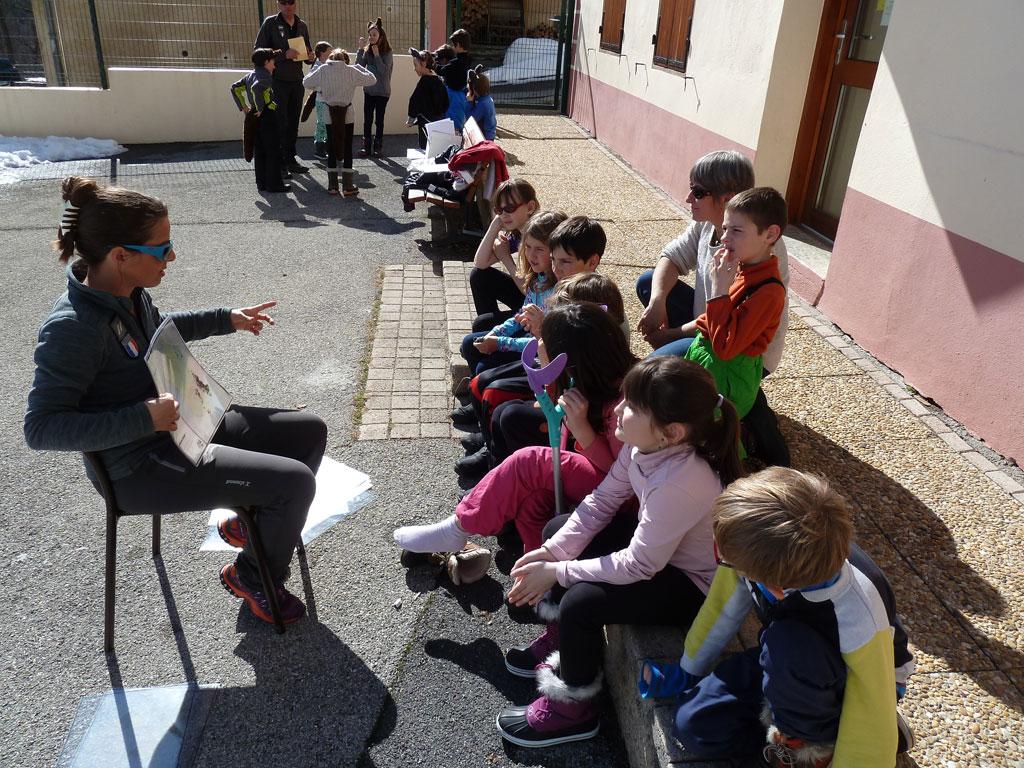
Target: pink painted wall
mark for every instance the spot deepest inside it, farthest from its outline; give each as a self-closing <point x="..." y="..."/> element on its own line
<point x="658" y="143"/>
<point x="804" y="281"/>
<point x="436" y="10"/>
<point x="943" y="310"/>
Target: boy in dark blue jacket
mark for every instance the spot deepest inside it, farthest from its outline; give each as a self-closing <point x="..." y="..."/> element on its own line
<point x="254" y="95"/>
<point x="820" y="689"/>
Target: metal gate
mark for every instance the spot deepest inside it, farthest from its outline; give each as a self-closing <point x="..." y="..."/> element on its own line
<point x="72" y="42"/>
<point x="523" y="44"/>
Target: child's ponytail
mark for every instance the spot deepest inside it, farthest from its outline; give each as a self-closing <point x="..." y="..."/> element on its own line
<point x="672" y="390"/>
<point x="721" y="444"/>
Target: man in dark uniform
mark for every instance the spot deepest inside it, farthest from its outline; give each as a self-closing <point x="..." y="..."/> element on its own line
<point x="288" y="91"/>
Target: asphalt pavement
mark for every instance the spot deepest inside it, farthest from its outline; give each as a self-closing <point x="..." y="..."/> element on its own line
<point x="392" y="668"/>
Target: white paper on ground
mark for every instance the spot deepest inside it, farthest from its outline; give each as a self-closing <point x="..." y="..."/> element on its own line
<point x="133" y="727"/>
<point x="340" y="491"/>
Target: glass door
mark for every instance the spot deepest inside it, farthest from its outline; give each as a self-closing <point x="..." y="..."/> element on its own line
<point x="852" y="61"/>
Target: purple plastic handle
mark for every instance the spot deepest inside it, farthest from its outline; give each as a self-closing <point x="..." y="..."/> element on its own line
<point x="541" y="377"/>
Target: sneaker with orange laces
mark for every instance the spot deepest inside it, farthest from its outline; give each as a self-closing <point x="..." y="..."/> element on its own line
<point x="232" y="531"/>
<point x="292" y="609"/>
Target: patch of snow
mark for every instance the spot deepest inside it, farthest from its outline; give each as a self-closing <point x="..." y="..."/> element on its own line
<point x="17" y="152"/>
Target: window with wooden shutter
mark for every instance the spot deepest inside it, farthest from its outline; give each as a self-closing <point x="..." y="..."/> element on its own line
<point x="672" y="40"/>
<point x="613" y="25"/>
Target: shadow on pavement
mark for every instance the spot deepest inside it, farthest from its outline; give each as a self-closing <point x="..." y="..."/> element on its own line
<point x="907" y="539"/>
<point x="314" y="701"/>
<point x="483" y="596"/>
<point x="482" y="657"/>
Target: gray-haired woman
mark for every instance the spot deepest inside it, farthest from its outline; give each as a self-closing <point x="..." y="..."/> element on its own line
<point x="92" y="391"/>
<point x="671" y="306"/>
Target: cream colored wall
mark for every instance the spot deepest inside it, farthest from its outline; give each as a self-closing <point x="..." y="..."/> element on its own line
<point x="732" y="45"/>
<point x="148" y="106"/>
<point x="787" y="88"/>
<point x="942" y="137"/>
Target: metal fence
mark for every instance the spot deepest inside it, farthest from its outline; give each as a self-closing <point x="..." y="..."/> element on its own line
<point x="71" y="42"/>
<point x="521" y="43"/>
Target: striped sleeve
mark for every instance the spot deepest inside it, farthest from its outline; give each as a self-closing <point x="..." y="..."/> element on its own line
<point x="719" y="619"/>
<point x="239" y="95"/>
<point x="867" y="726"/>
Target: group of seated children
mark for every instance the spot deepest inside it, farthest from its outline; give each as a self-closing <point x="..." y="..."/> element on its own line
<point x="665" y="528"/>
<point x="449" y="87"/>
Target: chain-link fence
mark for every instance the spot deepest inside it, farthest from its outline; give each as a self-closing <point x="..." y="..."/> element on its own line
<point x="71" y="42"/>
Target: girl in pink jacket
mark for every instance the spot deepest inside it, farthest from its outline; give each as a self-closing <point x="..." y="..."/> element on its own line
<point x="596" y="567"/>
<point x="521" y="488"/>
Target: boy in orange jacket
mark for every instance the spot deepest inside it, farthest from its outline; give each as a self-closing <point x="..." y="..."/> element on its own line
<point x="747" y="296"/>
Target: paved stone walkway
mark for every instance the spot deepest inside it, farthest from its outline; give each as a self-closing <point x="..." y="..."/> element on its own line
<point x="407" y="379"/>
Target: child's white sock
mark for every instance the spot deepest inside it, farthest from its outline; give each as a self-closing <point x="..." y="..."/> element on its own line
<point x="445" y="536"/>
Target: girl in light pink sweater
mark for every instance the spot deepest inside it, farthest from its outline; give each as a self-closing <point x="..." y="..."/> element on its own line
<point x="596" y="567"/>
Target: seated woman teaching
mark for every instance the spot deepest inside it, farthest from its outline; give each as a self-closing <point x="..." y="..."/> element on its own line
<point x="92" y="391"/>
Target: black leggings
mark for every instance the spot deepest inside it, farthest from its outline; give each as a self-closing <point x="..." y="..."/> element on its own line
<point x="373" y="115"/>
<point x="669" y="597"/>
<point x="261" y="458"/>
<point x="491" y="285"/>
<point x="516" y="424"/>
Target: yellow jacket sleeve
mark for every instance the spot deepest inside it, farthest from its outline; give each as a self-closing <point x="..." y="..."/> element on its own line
<point x="867" y="726"/>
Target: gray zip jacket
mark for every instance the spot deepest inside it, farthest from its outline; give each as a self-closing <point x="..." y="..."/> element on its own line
<point x="91" y="380"/>
<point x="381" y="67"/>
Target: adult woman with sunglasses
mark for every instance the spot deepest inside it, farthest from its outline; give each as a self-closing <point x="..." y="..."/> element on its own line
<point x="671" y="306"/>
<point x="92" y="391"/>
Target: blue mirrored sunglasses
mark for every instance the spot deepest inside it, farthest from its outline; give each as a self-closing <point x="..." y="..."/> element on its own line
<point x="158" y="252"/>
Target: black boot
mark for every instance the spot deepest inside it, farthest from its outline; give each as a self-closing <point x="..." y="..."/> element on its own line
<point x="473" y="442"/>
<point x="761" y="435"/>
<point x="365" y="149"/>
<point x="475" y="464"/>
<point x="378" y="146"/>
<point x="464" y="416"/>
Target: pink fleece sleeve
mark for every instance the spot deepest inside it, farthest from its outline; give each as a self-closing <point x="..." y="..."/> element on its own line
<point x="668" y="514"/>
<point x="593" y="513"/>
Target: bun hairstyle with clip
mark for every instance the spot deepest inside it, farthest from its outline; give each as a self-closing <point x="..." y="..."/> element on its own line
<point x="444" y="54"/>
<point x="477" y="81"/>
<point x="96" y="219"/>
